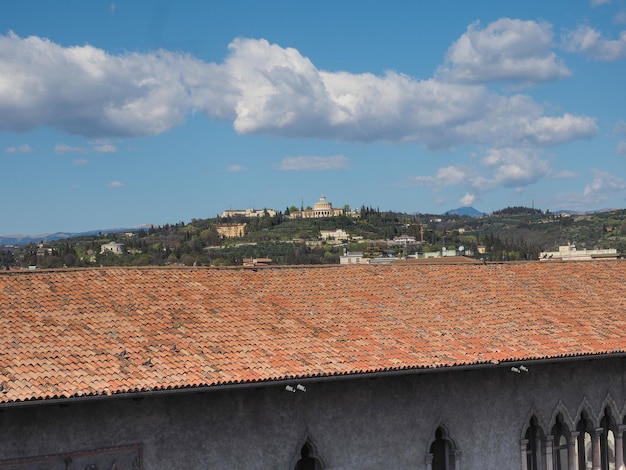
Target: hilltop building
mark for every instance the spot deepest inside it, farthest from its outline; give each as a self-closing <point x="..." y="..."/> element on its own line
<point x="112" y="247"/>
<point x="400" y="366"/>
<point x="321" y="209"/>
<point x="231" y="230"/>
<point x="337" y="234"/>
<point x="249" y="213"/>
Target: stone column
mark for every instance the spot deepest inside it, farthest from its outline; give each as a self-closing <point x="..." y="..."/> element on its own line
<point x="572" y="451"/>
<point x="523" y="446"/>
<point x="619" y="447"/>
<point x="596" y="462"/>
<point x="549" y="453"/>
<point x="457" y="460"/>
<point x="429" y="461"/>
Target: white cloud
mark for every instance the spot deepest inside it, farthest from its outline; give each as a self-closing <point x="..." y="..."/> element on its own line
<point x="549" y="131"/>
<point x="621" y="148"/>
<point x="500" y="167"/>
<point x="603" y="185"/>
<point x="338" y="162"/>
<point x="448" y="176"/>
<point x="236" y="168"/>
<point x="268" y="89"/>
<point x="115" y="184"/>
<point x="511" y="167"/>
<point x="79" y="162"/>
<point x="83" y="90"/>
<point x="506" y="50"/>
<point x="25" y="148"/>
<point x="590" y="42"/>
<point x="61" y="149"/>
<point x="596" y="3"/>
<point x="105" y="148"/>
<point x="468" y="199"/>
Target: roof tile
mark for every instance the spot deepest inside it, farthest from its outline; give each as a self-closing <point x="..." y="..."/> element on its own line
<point x="115" y="330"/>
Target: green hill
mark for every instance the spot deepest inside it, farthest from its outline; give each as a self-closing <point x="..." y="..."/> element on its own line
<point x="516" y="233"/>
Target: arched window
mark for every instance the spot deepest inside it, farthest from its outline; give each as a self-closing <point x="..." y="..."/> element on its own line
<point x="607" y="441"/>
<point x="534" y="438"/>
<point x="307" y="460"/>
<point x="585" y="452"/>
<point x="443" y="455"/>
<point x="560" y="449"/>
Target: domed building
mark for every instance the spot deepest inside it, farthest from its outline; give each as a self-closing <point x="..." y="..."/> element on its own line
<point x="322" y="208"/>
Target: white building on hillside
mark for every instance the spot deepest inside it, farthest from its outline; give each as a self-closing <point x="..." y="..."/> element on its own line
<point x="113" y="247"/>
<point x="250" y="213"/>
<point x="570" y="253"/>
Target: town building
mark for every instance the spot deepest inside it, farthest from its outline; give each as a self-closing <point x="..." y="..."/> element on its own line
<point x="516" y="366"/>
<point x="321" y="209"/>
<point x="112" y="247"/>
<point x="337" y="234"/>
<point x="231" y="230"/>
<point x="569" y="252"/>
<point x="249" y="213"/>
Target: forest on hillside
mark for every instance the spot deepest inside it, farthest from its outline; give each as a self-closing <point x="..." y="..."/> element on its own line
<point x="511" y="234"/>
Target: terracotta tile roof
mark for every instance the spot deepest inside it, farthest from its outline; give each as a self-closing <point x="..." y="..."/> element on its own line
<point x="104" y="331"/>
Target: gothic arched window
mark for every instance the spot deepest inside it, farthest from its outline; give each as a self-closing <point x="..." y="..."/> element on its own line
<point x="607" y="441"/>
<point x="560" y="448"/>
<point x="307" y="460"/>
<point x="585" y="452"/>
<point x="534" y="439"/>
<point x="442" y="454"/>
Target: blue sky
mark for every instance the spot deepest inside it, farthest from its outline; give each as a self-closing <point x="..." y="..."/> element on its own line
<point x="133" y="112"/>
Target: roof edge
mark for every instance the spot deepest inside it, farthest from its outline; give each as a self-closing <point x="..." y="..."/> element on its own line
<point x="309" y="379"/>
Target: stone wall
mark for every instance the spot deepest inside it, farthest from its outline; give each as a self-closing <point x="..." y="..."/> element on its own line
<point x="380" y="422"/>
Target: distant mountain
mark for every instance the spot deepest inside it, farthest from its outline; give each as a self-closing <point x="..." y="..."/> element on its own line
<point x="465" y="211"/>
<point x="49" y="237"/>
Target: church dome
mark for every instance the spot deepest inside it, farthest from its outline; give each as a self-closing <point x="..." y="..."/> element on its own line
<point x="322" y="204"/>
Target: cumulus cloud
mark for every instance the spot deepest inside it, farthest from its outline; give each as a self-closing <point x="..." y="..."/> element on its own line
<point x="603" y="185"/>
<point x="499" y="167"/>
<point x="264" y="88"/>
<point x="448" y="176"/>
<point x="338" y="162"/>
<point x="83" y="90"/>
<point x="511" y="167"/>
<point x="550" y="131"/>
<point x="115" y="184"/>
<point x="468" y="199"/>
<point x="19" y="149"/>
<point x="621" y="148"/>
<point x="506" y="50"/>
<point x="590" y="42"/>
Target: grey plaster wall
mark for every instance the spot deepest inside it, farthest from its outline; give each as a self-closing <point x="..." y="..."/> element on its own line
<point x="379" y="423"/>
